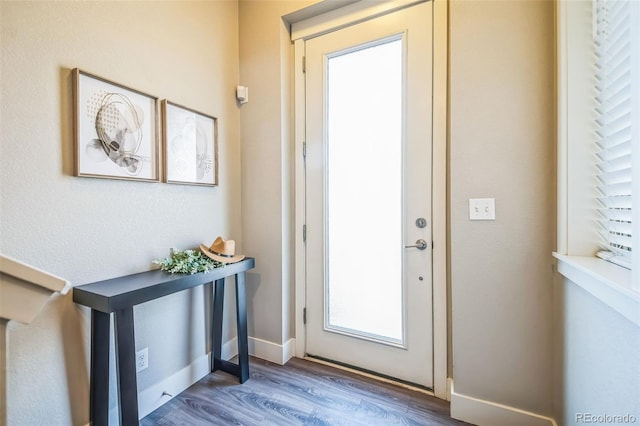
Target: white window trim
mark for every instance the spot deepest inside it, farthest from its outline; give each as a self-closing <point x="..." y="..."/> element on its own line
<point x="609" y="283"/>
<point x="617" y="287"/>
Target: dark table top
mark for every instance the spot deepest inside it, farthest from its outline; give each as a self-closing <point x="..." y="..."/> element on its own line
<point x="130" y="290"/>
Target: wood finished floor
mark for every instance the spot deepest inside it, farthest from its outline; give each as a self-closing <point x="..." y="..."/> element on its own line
<point x="299" y="393"/>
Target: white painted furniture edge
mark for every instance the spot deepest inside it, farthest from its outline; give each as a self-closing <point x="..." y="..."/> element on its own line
<point x="24" y="289"/>
<point x="33" y="275"/>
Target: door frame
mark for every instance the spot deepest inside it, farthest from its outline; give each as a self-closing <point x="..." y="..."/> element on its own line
<point x="311" y="25"/>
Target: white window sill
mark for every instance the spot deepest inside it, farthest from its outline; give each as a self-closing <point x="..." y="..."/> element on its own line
<point x="607" y="282"/>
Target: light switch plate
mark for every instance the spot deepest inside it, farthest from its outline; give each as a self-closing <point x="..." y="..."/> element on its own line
<point x="482" y="209"/>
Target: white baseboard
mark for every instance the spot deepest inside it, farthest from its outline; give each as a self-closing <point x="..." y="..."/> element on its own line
<point x="155" y="395"/>
<point x="152" y="397"/>
<point x="278" y="354"/>
<point x="230" y="349"/>
<point x="487" y="413"/>
<point x="288" y="350"/>
<point x="263" y="349"/>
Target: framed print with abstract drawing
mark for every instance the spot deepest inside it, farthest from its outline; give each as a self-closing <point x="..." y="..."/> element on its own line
<point x="190" y="146"/>
<point x="115" y="130"/>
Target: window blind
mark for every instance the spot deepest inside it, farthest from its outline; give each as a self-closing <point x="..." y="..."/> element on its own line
<point x="616" y="73"/>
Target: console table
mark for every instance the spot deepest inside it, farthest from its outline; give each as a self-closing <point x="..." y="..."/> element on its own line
<point x="119" y="296"/>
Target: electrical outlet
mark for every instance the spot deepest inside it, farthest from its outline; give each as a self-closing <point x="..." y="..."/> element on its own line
<point x="142" y="359"/>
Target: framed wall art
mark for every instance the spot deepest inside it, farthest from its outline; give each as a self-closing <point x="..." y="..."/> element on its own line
<point x="190" y="140"/>
<point x="116" y="130"/>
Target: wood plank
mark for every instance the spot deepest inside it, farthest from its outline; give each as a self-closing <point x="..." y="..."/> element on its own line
<point x="119" y="293"/>
<point x="299" y="393"/>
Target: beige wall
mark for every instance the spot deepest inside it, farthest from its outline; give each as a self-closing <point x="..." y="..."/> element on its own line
<point x="502" y="144"/>
<point x="597" y="352"/>
<point x="266" y="67"/>
<point x="90" y="229"/>
<point x="502" y="115"/>
<point x="502" y="141"/>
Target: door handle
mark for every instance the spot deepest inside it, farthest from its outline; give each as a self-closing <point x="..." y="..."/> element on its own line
<point x="420" y="244"/>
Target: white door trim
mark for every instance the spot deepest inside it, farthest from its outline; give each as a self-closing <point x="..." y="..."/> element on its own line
<point x="347" y="13"/>
<point x="439" y="211"/>
<point x="300" y="264"/>
<point x="439" y="194"/>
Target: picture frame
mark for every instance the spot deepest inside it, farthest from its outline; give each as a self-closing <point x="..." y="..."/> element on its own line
<point x="116" y="130"/>
<point x="190" y="146"/>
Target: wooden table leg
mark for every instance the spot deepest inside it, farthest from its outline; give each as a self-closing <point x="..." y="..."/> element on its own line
<point x="126" y="367"/>
<point x="99" y="384"/>
<point x="216" y="329"/>
<point x="240" y="370"/>
<point x="241" y="312"/>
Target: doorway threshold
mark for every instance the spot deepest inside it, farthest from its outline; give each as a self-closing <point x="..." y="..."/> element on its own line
<point x="370" y="374"/>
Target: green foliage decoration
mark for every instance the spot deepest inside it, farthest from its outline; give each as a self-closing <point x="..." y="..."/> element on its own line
<point x="187" y="262"/>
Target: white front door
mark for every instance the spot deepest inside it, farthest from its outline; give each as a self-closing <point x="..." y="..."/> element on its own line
<point x="368" y="195"/>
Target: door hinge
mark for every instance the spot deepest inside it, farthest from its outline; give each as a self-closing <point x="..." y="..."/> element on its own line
<point x="304" y="64"/>
<point x="304" y="150"/>
<point x="304" y="233"/>
<point x="432" y="245"/>
<point x="304" y="315"/>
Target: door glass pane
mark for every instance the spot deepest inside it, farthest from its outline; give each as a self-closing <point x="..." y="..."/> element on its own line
<point x="363" y="214"/>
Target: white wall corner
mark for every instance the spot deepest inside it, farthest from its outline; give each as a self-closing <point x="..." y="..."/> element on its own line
<point x="487" y="413"/>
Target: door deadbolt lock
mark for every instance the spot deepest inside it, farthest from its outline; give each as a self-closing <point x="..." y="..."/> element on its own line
<point x="421" y="222"/>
